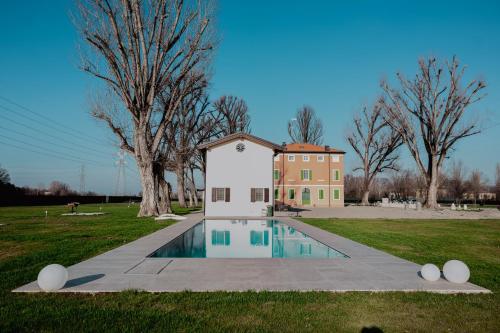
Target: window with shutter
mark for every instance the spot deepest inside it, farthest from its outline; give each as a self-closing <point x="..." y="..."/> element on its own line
<point x="220" y="194"/>
<point x="259" y="194"/>
<point x="276" y="174"/>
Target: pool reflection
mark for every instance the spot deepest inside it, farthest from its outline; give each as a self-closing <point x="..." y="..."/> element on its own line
<point x="244" y="239"/>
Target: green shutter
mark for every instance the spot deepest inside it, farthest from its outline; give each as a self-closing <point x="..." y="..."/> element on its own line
<point x="276" y="194"/>
<point x="321" y="194"/>
<point x="301" y="174"/>
<point x="336" y="194"/>
<point x="310" y="175"/>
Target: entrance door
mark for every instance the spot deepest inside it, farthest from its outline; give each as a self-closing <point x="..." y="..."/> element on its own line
<point x="306" y="196"/>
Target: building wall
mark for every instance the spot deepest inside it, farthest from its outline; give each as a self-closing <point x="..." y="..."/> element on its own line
<point x="239" y="171"/>
<point x="322" y="178"/>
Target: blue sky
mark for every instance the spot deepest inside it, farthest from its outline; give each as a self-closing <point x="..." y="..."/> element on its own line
<point x="277" y="55"/>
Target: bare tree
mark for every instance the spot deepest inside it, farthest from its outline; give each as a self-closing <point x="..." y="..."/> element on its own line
<point x="457" y="181"/>
<point x="352" y="186"/>
<point x="233" y="112"/>
<point x="4" y="176"/>
<point x="60" y="188"/>
<point x="375" y="143"/>
<point x="402" y="184"/>
<point x="428" y="112"/>
<point x="142" y="49"/>
<point x="186" y="124"/>
<point x="306" y="127"/>
<point x="476" y="184"/>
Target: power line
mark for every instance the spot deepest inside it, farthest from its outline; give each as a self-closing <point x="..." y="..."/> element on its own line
<point x="50" y="151"/>
<point x="50" y="121"/>
<point x="43" y="153"/>
<point x="50" y="135"/>
<point x="72" y="148"/>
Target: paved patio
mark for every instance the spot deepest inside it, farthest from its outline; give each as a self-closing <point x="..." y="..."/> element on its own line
<point x="366" y="269"/>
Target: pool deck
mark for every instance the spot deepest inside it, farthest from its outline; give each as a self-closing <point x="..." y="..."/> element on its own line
<point x="366" y="269"/>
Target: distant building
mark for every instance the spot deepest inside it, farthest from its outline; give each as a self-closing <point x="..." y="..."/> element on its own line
<point x="307" y="175"/>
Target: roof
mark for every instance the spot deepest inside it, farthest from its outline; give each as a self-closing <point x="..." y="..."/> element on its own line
<point x="310" y="148"/>
<point x="240" y="136"/>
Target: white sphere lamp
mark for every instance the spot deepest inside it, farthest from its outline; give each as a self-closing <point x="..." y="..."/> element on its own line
<point x="456" y="271"/>
<point x="52" y="277"/>
<point x="430" y="272"/>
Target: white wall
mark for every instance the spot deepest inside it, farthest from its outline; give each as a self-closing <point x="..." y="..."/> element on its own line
<point x="227" y="167"/>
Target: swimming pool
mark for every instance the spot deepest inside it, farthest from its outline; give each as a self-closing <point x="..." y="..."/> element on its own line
<point x="244" y="239"/>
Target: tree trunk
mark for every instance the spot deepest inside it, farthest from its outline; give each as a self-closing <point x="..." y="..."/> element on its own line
<point x="149" y="203"/>
<point x="179" y="171"/>
<point x="432" y="188"/>
<point x="364" y="200"/>
<point x="192" y="187"/>
<point x="164" y="204"/>
<point x="190" y="198"/>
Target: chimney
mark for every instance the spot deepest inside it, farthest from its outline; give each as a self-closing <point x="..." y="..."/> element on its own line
<point x="327" y="147"/>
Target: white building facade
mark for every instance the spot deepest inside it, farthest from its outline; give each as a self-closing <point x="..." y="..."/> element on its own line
<point x="239" y="175"/>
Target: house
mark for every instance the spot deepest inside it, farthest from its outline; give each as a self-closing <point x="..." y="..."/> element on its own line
<point x="307" y="175"/>
<point x="238" y="175"/>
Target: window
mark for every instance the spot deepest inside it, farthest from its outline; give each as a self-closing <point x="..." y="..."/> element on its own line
<point x="291" y="194"/>
<point x="336" y="174"/>
<point x="305" y="158"/>
<point x="335" y="158"/>
<point x="291" y="158"/>
<point x="259" y="194"/>
<point x="221" y="237"/>
<point x="336" y="194"/>
<point x="259" y="238"/>
<point x="276" y="174"/>
<point x="321" y="194"/>
<point x="306" y="174"/>
<point x="276" y="194"/>
<point x="221" y="194"/>
<point x="305" y="249"/>
<point x="321" y="158"/>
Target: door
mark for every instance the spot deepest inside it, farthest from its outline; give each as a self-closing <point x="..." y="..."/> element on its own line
<point x="306" y="196"/>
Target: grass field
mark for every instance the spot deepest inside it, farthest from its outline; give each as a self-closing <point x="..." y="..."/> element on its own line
<point x="28" y="241"/>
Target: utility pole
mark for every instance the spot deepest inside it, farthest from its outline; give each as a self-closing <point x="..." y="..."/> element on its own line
<point x="82" y="179"/>
<point x="120" y="177"/>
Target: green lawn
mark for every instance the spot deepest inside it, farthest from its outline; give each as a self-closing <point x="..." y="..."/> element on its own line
<point x="28" y="241"/>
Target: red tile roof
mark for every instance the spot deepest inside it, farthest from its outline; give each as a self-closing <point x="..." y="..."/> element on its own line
<point x="310" y="148"/>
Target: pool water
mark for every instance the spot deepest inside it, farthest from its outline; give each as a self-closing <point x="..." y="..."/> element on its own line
<point x="244" y="239"/>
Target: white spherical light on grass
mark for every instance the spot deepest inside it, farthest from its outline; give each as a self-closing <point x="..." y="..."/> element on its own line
<point x="430" y="272"/>
<point x="456" y="271"/>
<point x="52" y="277"/>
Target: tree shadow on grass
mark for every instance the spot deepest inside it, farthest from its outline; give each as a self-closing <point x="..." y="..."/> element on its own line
<point x="82" y="280"/>
<point x="371" y="329"/>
